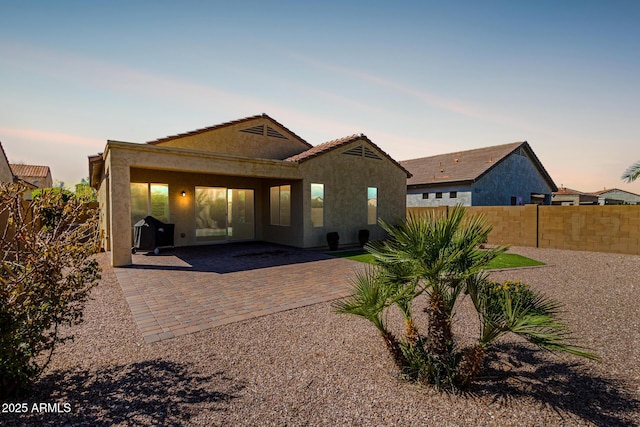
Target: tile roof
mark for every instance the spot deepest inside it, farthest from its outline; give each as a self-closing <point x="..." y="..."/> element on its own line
<point x="465" y="166"/>
<point x="225" y="124"/>
<point x="30" y="170"/>
<point x="564" y="191"/>
<point x="321" y="149"/>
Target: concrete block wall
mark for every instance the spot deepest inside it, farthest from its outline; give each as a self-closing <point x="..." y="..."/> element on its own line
<point x="591" y="228"/>
<point x="614" y="229"/>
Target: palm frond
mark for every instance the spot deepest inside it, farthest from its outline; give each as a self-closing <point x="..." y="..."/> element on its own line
<point x="632" y="173"/>
<point x="513" y="307"/>
<point x="369" y="298"/>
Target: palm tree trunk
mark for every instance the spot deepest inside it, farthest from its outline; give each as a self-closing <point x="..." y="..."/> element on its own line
<point x="411" y="330"/>
<point x="470" y="365"/>
<point x="439" y="334"/>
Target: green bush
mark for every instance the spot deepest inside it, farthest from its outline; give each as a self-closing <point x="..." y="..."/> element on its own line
<point x="440" y="257"/>
<point x="46" y="273"/>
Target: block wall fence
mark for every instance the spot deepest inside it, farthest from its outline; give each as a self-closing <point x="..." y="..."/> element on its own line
<point x="613" y="229"/>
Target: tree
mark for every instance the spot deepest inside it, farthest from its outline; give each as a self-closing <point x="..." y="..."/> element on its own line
<point x="46" y="273"/>
<point x="632" y="173"/>
<point x="440" y="257"/>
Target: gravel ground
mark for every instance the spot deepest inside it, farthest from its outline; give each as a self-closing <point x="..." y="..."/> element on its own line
<point x="310" y="366"/>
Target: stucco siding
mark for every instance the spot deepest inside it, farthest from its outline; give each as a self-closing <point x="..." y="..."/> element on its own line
<point x="5" y="170"/>
<point x="346" y="179"/>
<point x="515" y="176"/>
<point x="232" y="140"/>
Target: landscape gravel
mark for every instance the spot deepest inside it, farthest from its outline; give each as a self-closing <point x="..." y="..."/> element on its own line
<point x="310" y="366"/>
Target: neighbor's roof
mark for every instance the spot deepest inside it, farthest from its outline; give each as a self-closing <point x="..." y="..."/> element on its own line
<point x="564" y="191"/>
<point x="30" y="170"/>
<point x="608" y="190"/>
<point x="466" y="166"/>
<point x="225" y="124"/>
<point x="321" y="149"/>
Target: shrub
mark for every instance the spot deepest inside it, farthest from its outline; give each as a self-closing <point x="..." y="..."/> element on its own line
<point x="46" y="273"/>
<point x="440" y="258"/>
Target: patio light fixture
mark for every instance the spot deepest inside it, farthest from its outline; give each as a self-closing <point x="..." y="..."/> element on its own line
<point x="184" y="193"/>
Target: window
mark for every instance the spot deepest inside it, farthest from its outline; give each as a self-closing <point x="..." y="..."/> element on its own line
<point x="513" y="201"/>
<point x="372" y="205"/>
<point x="425" y="195"/>
<point x="439" y="195"/>
<point x="149" y="199"/>
<point x="280" y="198"/>
<point x="453" y="195"/>
<point x="317" y="205"/>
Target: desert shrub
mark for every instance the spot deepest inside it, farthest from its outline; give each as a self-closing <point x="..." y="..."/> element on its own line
<point x="46" y="273"/>
<point x="440" y="258"/>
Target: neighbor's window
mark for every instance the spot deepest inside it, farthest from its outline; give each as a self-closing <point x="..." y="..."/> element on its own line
<point x="280" y="197"/>
<point x="372" y="205"/>
<point x="425" y="195"/>
<point x="453" y="195"/>
<point x="317" y="205"/>
<point x="439" y="195"/>
<point x="149" y="199"/>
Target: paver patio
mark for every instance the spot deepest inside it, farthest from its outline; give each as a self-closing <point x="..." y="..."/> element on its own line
<point x="187" y="290"/>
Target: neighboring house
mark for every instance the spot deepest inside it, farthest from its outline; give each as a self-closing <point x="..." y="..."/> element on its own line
<point x="40" y="176"/>
<point x="249" y="179"/>
<point x="509" y="174"/>
<point x="6" y="174"/>
<point x="615" y="196"/>
<point x="570" y="197"/>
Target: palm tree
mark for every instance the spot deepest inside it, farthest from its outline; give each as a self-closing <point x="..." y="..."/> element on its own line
<point x="632" y="173"/>
<point x="440" y="257"/>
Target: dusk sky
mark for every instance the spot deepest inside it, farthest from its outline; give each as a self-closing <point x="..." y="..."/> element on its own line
<point x="418" y="78"/>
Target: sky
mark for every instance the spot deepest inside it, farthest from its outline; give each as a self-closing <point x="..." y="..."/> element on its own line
<point x="419" y="78"/>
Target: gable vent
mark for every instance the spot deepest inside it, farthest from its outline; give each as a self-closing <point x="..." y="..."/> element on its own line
<point x="369" y="154"/>
<point x="274" y="133"/>
<point x="355" y="151"/>
<point x="256" y="130"/>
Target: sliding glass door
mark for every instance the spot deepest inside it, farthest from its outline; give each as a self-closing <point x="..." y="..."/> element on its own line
<point x="224" y="214"/>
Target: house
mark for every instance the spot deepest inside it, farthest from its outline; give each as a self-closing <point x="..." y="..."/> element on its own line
<point x="570" y="197"/>
<point x="40" y="176"/>
<point x="509" y="174"/>
<point x="615" y="196"/>
<point x="6" y="174"/>
<point x="248" y="179"/>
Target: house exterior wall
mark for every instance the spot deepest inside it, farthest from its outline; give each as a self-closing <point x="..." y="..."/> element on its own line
<point x="619" y="195"/>
<point x="463" y="197"/>
<point x="231" y="140"/>
<point x="515" y="176"/>
<point x="6" y="175"/>
<point x="574" y="199"/>
<point x="346" y="179"/>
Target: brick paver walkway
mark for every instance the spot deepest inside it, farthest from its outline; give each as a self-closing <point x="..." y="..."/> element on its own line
<point x="192" y="289"/>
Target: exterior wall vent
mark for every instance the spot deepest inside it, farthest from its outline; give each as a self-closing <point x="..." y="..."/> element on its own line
<point x="256" y="130"/>
<point x="369" y="154"/>
<point x="274" y="133"/>
<point x="362" y="151"/>
<point x="355" y="151"/>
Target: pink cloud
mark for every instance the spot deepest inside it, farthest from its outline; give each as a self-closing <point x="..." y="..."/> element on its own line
<point x="50" y="137"/>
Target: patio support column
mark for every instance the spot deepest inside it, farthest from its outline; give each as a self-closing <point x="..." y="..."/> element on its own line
<point x="120" y="202"/>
